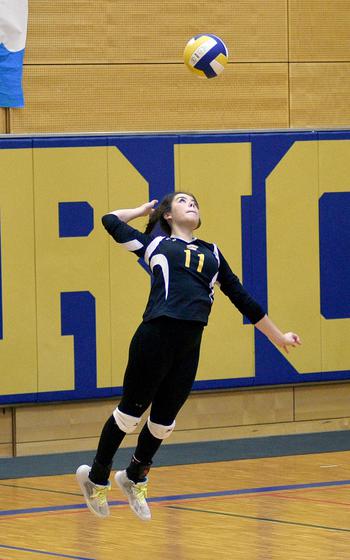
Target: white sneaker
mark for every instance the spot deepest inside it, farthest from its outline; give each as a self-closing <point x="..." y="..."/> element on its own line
<point x="95" y="494"/>
<point x="136" y="494"/>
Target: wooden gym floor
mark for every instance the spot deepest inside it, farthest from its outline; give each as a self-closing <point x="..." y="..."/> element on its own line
<point x="274" y="508"/>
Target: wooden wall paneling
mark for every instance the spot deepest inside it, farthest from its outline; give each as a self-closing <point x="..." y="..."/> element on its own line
<point x="322" y="402"/>
<point x="2" y="120"/>
<point x="72" y="31"/>
<point x="270" y="429"/>
<point x="236" y="408"/>
<point x="63" y="427"/>
<point x="77" y="426"/>
<point x="5" y="432"/>
<point x="222" y="415"/>
<point x="208" y="410"/>
<point x="152" y="97"/>
<point x="46" y="447"/>
<point x="188" y="436"/>
<point x="6" y="450"/>
<point x="61" y="421"/>
<point x="319" y="31"/>
<point x="320" y="94"/>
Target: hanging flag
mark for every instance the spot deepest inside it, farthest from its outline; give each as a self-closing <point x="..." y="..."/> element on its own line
<point x="13" y="32"/>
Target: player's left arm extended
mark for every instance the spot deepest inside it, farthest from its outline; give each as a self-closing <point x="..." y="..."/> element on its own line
<point x="269" y="329"/>
<point x="231" y="286"/>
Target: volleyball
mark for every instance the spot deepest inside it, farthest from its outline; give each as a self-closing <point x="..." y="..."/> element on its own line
<point x="206" y="55"/>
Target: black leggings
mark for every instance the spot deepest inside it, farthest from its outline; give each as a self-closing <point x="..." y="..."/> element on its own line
<point x="162" y="365"/>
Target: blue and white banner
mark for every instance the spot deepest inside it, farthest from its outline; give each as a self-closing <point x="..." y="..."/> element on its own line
<point x="13" y="32"/>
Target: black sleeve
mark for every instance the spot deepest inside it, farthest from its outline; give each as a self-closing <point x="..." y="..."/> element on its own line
<point x="129" y="237"/>
<point x="231" y="286"/>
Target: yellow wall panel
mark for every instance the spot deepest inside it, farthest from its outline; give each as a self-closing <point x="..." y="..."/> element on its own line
<point x="306" y="172"/>
<point x="2" y="120"/>
<point x="129" y="284"/>
<point x="18" y="346"/>
<point x="151" y="97"/>
<point x="292" y="209"/>
<point x="320" y="94"/>
<point x="72" y="31"/>
<point x="70" y="264"/>
<point x="199" y="168"/>
<point x="319" y="30"/>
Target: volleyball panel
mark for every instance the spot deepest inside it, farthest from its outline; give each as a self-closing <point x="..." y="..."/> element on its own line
<point x="151" y="97"/>
<point x="319" y="30"/>
<point x="320" y="94"/>
<point x="117" y="32"/>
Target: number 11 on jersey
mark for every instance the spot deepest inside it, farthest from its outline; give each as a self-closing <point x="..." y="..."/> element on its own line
<point x="188" y="260"/>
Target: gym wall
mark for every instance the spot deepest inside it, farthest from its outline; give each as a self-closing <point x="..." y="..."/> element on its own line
<point x="278" y="206"/>
<point x="118" y="66"/>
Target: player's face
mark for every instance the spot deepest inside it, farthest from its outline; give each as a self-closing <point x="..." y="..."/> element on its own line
<point x="184" y="211"/>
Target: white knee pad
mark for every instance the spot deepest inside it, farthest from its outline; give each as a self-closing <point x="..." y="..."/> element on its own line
<point x="125" y="422"/>
<point x="158" y="430"/>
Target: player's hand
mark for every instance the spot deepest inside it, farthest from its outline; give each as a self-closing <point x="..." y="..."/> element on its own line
<point x="147" y="208"/>
<point x="289" y="339"/>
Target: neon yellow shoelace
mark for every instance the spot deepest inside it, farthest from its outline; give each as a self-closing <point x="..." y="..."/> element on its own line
<point x="141" y="492"/>
<point x="100" y="494"/>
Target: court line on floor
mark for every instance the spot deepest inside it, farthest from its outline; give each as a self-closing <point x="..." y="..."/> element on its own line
<point x="314" y="500"/>
<point x="253" y="518"/>
<point x="180" y="497"/>
<point x="56" y="554"/>
<point x="307" y="487"/>
<point x="39" y="489"/>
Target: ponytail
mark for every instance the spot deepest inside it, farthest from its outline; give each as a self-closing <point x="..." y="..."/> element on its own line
<point x="158" y="215"/>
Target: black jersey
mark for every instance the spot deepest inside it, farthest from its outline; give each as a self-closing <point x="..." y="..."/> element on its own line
<point x="183" y="274"/>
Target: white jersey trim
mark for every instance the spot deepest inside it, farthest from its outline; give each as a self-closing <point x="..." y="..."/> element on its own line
<point x="211" y="286"/>
<point x="214" y="279"/>
<point x="132" y="245"/>
<point x="152" y="247"/>
<point x="216" y="253"/>
<point x="162" y="261"/>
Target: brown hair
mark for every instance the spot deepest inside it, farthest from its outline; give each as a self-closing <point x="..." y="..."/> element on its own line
<point x="163" y="207"/>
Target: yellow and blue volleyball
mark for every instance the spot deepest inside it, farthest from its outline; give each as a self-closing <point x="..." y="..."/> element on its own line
<point x="206" y="55"/>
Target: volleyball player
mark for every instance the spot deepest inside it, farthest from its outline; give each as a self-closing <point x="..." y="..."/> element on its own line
<point x="164" y="351"/>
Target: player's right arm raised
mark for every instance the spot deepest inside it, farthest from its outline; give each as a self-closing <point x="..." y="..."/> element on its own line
<point x="128" y="214"/>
